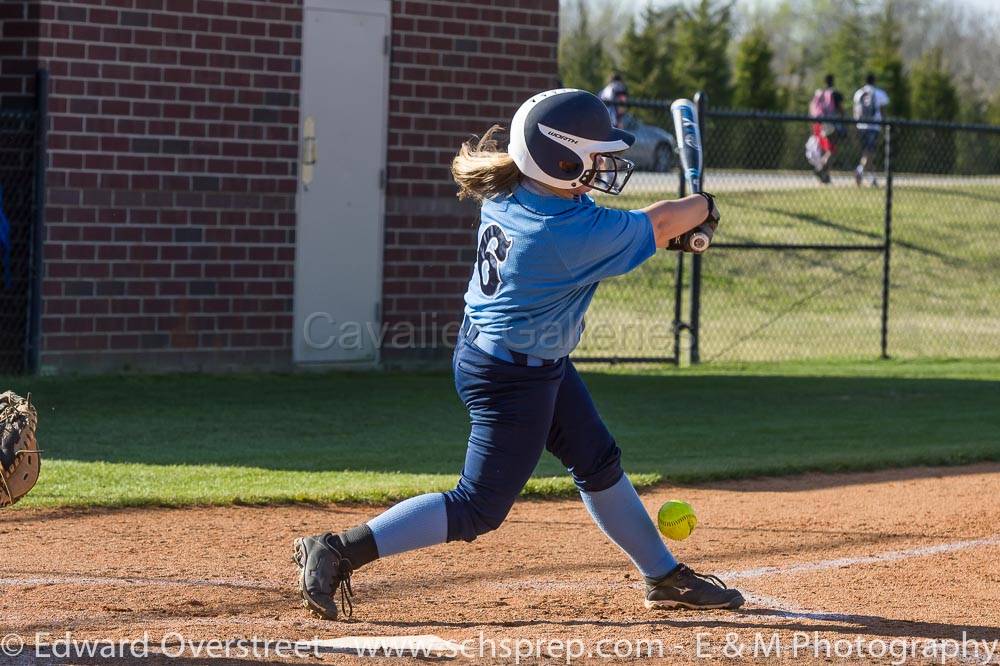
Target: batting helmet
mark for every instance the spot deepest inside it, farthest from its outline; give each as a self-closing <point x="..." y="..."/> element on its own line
<point x="564" y="138"/>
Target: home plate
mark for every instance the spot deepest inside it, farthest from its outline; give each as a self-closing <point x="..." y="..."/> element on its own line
<point x="427" y="645"/>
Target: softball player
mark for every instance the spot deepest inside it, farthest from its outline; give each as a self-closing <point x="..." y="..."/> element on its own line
<point x="543" y="248"/>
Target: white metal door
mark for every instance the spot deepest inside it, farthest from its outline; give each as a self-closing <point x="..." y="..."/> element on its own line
<point x="338" y="261"/>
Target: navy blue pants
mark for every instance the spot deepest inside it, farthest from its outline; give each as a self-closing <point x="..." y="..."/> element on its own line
<point x="869" y="139"/>
<point x="517" y="412"/>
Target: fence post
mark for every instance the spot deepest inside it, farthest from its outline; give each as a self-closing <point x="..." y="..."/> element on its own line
<point x="700" y="101"/>
<point x="887" y="241"/>
<point x="37" y="231"/>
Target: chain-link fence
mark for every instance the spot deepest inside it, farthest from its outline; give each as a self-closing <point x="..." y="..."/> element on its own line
<point x="21" y="184"/>
<point x="639" y="317"/>
<point x="816" y="258"/>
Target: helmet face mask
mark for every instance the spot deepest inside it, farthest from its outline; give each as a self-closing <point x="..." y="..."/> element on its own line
<point x="609" y="173"/>
<point x="564" y="139"/>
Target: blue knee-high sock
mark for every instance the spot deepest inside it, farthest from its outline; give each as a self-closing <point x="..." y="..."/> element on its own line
<point x="418" y="522"/>
<point x="622" y="517"/>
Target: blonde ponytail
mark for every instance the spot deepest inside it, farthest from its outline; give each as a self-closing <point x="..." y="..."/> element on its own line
<point x="482" y="170"/>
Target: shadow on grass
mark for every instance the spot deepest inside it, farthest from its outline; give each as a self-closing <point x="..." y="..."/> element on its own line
<point x="944" y="192"/>
<point x="830" y="224"/>
<point x="686" y="428"/>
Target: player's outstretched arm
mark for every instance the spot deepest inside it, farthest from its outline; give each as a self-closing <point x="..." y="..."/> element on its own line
<point x="676" y="217"/>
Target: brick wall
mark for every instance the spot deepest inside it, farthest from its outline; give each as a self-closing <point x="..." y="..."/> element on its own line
<point x="172" y="158"/>
<point x="171" y="182"/>
<point x="457" y="68"/>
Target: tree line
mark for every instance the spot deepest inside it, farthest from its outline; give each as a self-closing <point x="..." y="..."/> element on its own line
<point x="669" y="52"/>
<point x="673" y="51"/>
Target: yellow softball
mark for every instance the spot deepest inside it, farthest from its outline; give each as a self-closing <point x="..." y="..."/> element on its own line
<point x="676" y="520"/>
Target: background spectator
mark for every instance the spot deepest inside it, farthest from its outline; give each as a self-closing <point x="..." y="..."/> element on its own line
<point x="869" y="100"/>
<point x="826" y="103"/>
<point x="615" y="97"/>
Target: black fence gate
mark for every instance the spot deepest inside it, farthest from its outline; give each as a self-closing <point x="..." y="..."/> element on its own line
<point x="22" y="186"/>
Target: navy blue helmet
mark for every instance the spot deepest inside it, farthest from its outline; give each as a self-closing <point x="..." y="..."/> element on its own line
<point x="564" y="138"/>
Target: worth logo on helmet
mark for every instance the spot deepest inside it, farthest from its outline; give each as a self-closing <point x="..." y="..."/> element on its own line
<point x="557" y="135"/>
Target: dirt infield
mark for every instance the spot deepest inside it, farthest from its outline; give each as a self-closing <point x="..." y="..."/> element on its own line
<point x="881" y="557"/>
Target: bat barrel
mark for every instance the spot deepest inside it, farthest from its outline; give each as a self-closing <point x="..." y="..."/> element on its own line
<point x="688" y="132"/>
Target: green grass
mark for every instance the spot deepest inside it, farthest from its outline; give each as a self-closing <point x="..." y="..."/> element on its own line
<point x="767" y="305"/>
<point x="133" y="440"/>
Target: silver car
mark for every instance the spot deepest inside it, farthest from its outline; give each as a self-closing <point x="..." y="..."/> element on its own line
<point x="654" y="148"/>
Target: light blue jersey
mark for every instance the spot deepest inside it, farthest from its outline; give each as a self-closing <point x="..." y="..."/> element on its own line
<point x="539" y="260"/>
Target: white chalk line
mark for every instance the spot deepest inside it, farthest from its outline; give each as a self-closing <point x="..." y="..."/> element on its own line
<point x="789" y="611"/>
<point x="783" y="609"/>
<point x="789" y="569"/>
<point x="838" y="563"/>
<point x="756" y="572"/>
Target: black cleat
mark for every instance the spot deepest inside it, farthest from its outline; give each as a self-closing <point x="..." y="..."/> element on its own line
<point x="322" y="569"/>
<point x="684" y="588"/>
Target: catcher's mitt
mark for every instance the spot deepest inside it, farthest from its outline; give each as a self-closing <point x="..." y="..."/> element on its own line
<point x="19" y="461"/>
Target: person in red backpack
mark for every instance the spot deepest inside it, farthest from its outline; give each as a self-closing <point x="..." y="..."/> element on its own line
<point x="826" y="103"/>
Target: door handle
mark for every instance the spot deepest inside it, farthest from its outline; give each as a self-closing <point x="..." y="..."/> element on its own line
<point x="309" y="151"/>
